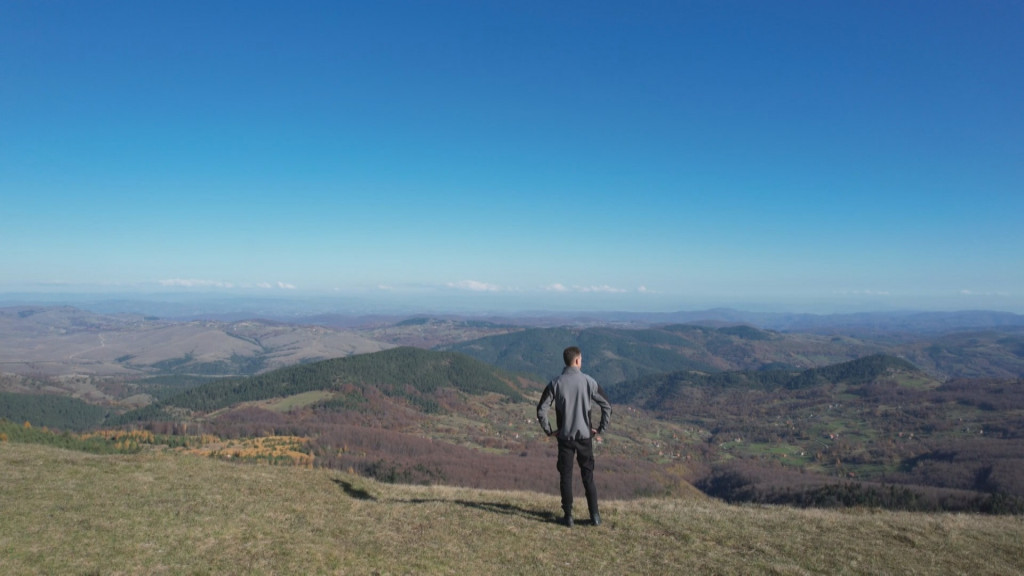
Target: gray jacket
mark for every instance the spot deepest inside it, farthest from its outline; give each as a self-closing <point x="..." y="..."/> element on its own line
<point x="572" y="394"/>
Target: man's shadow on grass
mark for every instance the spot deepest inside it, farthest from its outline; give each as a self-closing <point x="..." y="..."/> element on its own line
<point x="493" y="507"/>
<point x="353" y="492"/>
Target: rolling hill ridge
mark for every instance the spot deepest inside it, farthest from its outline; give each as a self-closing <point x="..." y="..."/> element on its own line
<point x="745" y="413"/>
<point x="614" y="355"/>
<point x="408" y="373"/>
<point x="849" y="433"/>
<point x="63" y="341"/>
<point x="617" y="354"/>
<point x="411" y="415"/>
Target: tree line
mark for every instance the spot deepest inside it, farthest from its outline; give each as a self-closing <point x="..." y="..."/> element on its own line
<point x="50" y="410"/>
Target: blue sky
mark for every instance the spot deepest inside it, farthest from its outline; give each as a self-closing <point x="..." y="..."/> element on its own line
<point x="797" y="156"/>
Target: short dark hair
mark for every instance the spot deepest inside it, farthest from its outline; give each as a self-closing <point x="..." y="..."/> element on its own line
<point x="570" y="355"/>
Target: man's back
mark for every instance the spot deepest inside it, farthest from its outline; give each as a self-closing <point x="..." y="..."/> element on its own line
<point x="573" y="393"/>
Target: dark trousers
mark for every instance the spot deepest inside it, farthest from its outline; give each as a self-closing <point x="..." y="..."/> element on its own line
<point x="583" y="450"/>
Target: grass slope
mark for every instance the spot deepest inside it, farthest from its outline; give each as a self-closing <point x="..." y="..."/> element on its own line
<point x="165" y="513"/>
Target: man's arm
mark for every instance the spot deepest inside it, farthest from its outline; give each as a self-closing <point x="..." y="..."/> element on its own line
<point x="546" y="399"/>
<point x="597" y="395"/>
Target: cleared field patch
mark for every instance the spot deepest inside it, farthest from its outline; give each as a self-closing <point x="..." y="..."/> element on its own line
<point x="291" y="450"/>
<point x="917" y="382"/>
<point x="298" y="400"/>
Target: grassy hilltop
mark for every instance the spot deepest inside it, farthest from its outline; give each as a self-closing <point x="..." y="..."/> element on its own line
<point x="160" y="512"/>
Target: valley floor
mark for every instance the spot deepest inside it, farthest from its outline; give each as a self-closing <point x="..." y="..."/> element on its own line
<point x="167" y="513"/>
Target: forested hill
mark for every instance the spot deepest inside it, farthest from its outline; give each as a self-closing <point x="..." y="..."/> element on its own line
<point x="618" y="354"/>
<point x="655" y="391"/>
<point x="408" y="373"/>
<point x="50" y="410"/>
<point x="859" y="371"/>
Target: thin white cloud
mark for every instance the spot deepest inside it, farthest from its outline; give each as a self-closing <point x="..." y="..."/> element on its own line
<point x="474" y="286"/>
<point x="193" y="283"/>
<point x="976" y="293"/>
<point x="286" y="286"/>
<point x="265" y="285"/>
<point x="862" y="292"/>
<point x="604" y="289"/>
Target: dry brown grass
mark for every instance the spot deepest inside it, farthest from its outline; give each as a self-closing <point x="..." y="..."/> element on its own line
<point x="168" y="513"/>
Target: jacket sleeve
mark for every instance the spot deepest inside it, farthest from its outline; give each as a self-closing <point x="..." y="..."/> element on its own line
<point x="597" y="395"/>
<point x="546" y="399"/>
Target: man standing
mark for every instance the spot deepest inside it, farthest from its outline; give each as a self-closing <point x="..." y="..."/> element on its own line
<point x="572" y="394"/>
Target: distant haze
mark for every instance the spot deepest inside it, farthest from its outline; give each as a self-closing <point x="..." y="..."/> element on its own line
<point x="341" y="311"/>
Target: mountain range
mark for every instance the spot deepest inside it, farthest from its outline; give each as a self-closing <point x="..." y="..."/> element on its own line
<point x="742" y="412"/>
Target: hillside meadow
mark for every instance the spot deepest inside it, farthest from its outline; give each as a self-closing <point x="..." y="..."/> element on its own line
<point x="163" y="512"/>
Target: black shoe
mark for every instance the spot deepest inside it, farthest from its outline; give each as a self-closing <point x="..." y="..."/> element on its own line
<point x="596" y="519"/>
<point x="567" y="520"/>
